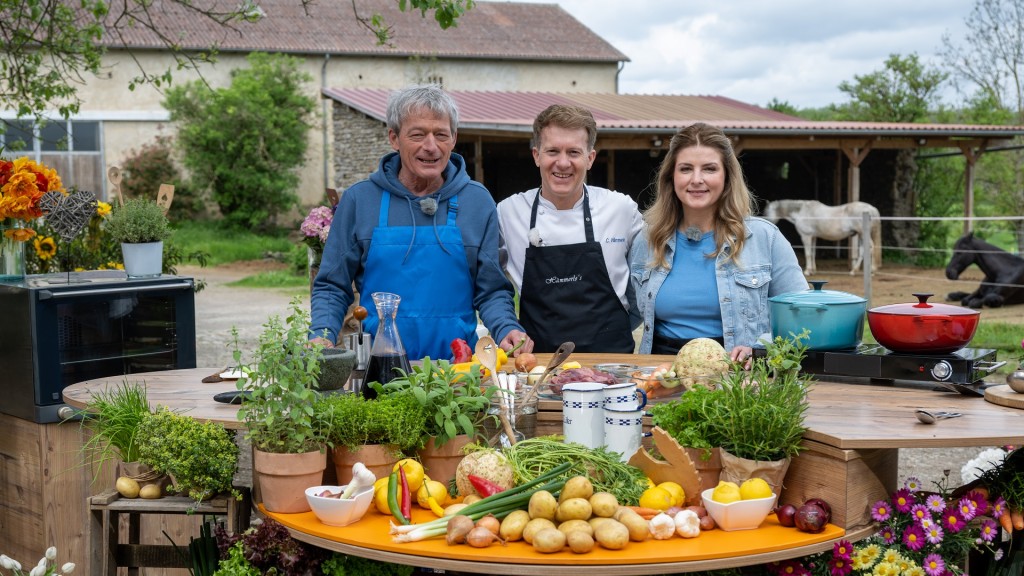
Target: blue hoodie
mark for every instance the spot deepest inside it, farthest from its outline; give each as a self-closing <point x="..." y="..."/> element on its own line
<point x="348" y="244"/>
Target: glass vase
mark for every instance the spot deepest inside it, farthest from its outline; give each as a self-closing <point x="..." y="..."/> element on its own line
<point x="12" y="253"/>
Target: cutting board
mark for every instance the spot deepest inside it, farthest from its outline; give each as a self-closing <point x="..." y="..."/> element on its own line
<point x="1004" y="396"/>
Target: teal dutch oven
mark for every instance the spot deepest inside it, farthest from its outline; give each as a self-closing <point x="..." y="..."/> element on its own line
<point x="835" y="319"/>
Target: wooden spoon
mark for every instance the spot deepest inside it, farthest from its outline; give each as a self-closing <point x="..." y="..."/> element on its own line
<point x="560" y="356"/>
<point x="487" y="353"/>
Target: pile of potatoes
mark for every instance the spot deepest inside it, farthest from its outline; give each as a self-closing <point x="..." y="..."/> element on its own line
<point x="579" y="519"/>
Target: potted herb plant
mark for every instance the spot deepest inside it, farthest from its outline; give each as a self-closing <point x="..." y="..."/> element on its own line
<point x="113" y="417"/>
<point x="455" y="407"/>
<point x="140" y="226"/>
<point x="280" y="383"/>
<point x="377" y="433"/>
<point x="200" y="457"/>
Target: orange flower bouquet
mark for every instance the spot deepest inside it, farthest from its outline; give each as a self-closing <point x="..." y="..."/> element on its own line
<point x="22" y="184"/>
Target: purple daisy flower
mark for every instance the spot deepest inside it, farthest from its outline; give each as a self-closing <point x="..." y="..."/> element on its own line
<point x="933" y="534"/>
<point x="842" y="549"/>
<point x="935" y="503"/>
<point x="880" y="511"/>
<point x="953" y="521"/>
<point x="988" y="530"/>
<point x="920" y="513"/>
<point x="934" y="565"/>
<point x="913" y="537"/>
<point x="840" y="566"/>
<point x="887" y="533"/>
<point x="968" y="508"/>
<point x="912" y="483"/>
<point x="999" y="508"/>
<point x="981" y="504"/>
<point x="903" y="500"/>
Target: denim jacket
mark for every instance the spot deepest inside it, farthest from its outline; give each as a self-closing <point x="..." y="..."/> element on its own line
<point x="767" y="267"/>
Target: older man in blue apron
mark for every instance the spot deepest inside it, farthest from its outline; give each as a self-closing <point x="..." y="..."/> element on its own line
<point x="419" y="227"/>
<point x="566" y="244"/>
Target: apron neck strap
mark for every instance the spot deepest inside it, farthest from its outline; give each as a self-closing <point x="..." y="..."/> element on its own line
<point x="588" y="227"/>
<point x="453" y="209"/>
<point x="385" y="204"/>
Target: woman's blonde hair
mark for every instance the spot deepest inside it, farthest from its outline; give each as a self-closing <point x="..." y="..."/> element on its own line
<point x="664" y="216"/>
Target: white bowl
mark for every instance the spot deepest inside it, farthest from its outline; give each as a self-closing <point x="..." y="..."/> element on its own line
<point x="739" y="515"/>
<point x="335" y="511"/>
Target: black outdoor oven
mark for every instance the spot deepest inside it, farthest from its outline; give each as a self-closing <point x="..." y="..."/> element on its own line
<point x="59" y="329"/>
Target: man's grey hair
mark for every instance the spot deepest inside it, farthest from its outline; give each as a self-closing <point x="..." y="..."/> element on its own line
<point x="431" y="97"/>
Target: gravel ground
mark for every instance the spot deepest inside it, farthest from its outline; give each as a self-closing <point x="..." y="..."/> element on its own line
<point x="220" y="307"/>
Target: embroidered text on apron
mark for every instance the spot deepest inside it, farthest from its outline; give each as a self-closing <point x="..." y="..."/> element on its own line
<point x="567" y="295"/>
<point x="435" y="285"/>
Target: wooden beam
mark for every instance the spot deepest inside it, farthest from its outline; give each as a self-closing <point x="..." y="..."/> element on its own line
<point x="478" y="158"/>
<point x="971" y="154"/>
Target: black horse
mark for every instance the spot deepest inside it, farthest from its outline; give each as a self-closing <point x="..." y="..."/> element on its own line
<point x="1004" y="273"/>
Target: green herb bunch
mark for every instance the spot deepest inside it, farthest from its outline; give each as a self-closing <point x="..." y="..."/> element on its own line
<point x="352" y="421"/>
<point x="200" y="456"/>
<point x="113" y="417"/>
<point x="138" y="220"/>
<point x="756" y="414"/>
<point x="454" y="402"/>
<point x="281" y="383"/>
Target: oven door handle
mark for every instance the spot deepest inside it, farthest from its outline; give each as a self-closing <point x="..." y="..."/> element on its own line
<point x="47" y="294"/>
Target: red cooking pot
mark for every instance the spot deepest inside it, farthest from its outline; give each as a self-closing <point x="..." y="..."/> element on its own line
<point x="923" y="327"/>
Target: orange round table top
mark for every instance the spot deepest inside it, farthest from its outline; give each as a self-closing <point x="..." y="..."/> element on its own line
<point x="372" y="533"/>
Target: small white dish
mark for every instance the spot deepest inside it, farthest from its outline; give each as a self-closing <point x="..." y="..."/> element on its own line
<point x="335" y="511"/>
<point x="232" y="373"/>
<point x="739" y="515"/>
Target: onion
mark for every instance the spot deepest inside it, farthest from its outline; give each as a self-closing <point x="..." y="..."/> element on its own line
<point x="481" y="537"/>
<point x="491" y="523"/>
<point x="458" y="527"/>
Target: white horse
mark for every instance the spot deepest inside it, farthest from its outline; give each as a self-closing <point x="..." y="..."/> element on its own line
<point x="814" y="220"/>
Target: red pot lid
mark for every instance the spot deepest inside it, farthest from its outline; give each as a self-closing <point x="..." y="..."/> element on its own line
<point x="924" y="308"/>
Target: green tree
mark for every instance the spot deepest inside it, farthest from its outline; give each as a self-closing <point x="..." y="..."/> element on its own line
<point x="246" y="142"/>
<point x="903" y="91"/>
<point x="51" y="46"/>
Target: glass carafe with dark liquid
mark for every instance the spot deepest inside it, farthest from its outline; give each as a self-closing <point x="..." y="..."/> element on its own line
<point x="387" y="352"/>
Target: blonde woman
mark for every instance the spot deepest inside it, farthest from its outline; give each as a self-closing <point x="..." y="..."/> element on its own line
<point x="704" y="265"/>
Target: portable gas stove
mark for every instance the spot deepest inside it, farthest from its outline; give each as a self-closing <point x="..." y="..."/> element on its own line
<point x="961" y="371"/>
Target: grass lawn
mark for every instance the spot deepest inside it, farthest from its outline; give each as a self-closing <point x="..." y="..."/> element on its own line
<point x="225" y="246"/>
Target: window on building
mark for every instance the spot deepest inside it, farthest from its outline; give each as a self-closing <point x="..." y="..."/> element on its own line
<point x="71" y="147"/>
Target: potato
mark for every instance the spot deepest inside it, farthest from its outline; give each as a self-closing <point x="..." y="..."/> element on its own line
<point x="548" y="541"/>
<point x="454" y="509"/>
<point x="534" y="526"/>
<point x="573" y="509"/>
<point x="612" y="535"/>
<point x="151" y="492"/>
<point x="596" y="521"/>
<point x="576" y="487"/>
<point x="579" y="542"/>
<point x="542" y="505"/>
<point x="604" y="504"/>
<point x="637" y="526"/>
<point x="513" y="525"/>
<point x="127" y="487"/>
<point x="471" y="498"/>
<point x="576" y="525"/>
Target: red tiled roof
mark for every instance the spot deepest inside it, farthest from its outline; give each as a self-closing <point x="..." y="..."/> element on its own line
<point x="492" y="30"/>
<point x="515" y="111"/>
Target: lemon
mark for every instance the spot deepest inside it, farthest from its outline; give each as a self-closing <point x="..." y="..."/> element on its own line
<point x="726" y="492"/>
<point x="656" y="498"/>
<point x="413" y="473"/>
<point x="571" y="365"/>
<point x="431" y="488"/>
<point x="380" y="495"/>
<point x="755" y="488"/>
<point x="677" y="492"/>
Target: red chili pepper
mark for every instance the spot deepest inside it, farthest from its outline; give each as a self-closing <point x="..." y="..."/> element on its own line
<point x="461" y="352"/>
<point x="406" y="496"/>
<point x="483" y="486"/>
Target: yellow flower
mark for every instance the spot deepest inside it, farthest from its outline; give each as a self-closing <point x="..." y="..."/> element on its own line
<point x="102" y="208"/>
<point x="45" y="247"/>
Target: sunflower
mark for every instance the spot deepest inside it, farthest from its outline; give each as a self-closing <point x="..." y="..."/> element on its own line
<point x="102" y="209"/>
<point x="45" y="247"/>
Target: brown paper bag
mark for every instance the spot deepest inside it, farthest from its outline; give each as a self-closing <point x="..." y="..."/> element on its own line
<point x="736" y="469"/>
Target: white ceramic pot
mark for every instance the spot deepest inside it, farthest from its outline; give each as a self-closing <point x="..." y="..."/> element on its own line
<point x="145" y="260"/>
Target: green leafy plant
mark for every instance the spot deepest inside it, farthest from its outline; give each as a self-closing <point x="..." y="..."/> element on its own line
<point x="139" y="220"/>
<point x="454" y="402"/>
<point x="150" y="166"/>
<point x="113" y="417"/>
<point x="352" y="421"/>
<point x="201" y="457"/>
<point x="281" y="382"/>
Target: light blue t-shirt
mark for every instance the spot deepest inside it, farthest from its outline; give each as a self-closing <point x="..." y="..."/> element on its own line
<point x="687" y="304"/>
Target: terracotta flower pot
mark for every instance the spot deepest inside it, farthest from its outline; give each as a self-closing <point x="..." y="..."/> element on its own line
<point x="283" y="478"/>
<point x="440" y="462"/>
<point x="378" y="458"/>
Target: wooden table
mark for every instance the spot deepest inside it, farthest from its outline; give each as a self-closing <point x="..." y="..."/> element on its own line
<point x="851" y="457"/>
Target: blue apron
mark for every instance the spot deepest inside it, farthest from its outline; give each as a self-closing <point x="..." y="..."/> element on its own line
<point x="435" y="285"/>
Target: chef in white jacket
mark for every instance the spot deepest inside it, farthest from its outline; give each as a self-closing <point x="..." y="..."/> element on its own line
<point x="565" y="245"/>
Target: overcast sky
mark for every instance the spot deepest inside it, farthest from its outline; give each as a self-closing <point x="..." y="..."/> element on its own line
<point x="754" y="50"/>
